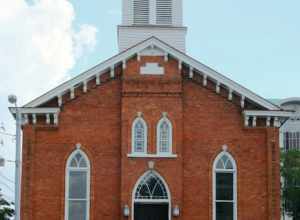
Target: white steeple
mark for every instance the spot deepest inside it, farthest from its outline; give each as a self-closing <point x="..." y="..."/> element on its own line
<point x="142" y="19"/>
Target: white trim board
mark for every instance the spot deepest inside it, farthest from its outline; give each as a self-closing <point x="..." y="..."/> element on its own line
<point x="13" y="110"/>
<point x="281" y="114"/>
<point x="152" y="155"/>
<point x="151" y="42"/>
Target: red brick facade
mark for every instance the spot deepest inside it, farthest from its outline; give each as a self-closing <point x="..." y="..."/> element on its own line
<point x="101" y="119"/>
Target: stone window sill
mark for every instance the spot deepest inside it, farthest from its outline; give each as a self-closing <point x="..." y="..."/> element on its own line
<point x="152" y="155"/>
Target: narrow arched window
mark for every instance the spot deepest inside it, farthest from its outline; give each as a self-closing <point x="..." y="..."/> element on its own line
<point x="77" y="201"/>
<point x="164" y="136"/>
<point x="139" y="136"/>
<point x="225" y="190"/>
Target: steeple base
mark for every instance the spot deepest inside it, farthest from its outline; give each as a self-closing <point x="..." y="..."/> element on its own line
<point x="129" y="36"/>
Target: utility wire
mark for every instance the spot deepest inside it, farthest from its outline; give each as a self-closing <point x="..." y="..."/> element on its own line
<point x="7" y="186"/>
<point x="6" y="178"/>
<point x="7" y="134"/>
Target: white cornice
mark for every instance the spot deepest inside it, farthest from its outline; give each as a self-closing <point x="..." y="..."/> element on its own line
<point x="282" y="114"/>
<point x="278" y="118"/>
<point x="181" y="57"/>
<point x="13" y="110"/>
<point x="49" y="114"/>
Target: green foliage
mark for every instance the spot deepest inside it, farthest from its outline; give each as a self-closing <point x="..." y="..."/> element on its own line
<point x="290" y="171"/>
<point x="6" y="210"/>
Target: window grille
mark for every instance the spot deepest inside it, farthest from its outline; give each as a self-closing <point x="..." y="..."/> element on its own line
<point x="139" y="136"/>
<point x="291" y="141"/>
<point x="151" y="187"/>
<point x="224" y="188"/>
<point x="77" y="187"/>
<point x="164" y="137"/>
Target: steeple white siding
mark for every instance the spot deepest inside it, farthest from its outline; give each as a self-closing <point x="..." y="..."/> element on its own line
<point x="142" y="19"/>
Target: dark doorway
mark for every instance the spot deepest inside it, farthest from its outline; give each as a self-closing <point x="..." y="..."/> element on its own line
<point x="151" y="211"/>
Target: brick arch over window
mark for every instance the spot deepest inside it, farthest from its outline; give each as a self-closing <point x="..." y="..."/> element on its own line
<point x="224" y="187"/>
<point x="77" y="188"/>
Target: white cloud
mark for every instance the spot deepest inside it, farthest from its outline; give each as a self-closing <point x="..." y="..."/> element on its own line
<point x="85" y="39"/>
<point x="39" y="45"/>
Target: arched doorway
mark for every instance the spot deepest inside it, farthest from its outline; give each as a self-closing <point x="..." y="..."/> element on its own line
<point x="151" y="198"/>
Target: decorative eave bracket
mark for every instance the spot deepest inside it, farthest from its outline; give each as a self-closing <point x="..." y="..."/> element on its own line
<point x="270" y="118"/>
<point x="49" y="116"/>
<point x="165" y="50"/>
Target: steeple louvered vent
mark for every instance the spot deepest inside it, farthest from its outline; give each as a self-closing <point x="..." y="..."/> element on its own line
<point x="164" y="12"/>
<point x="141" y="12"/>
<point x="142" y="19"/>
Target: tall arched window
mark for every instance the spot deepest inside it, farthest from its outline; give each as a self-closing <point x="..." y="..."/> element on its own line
<point x="164" y="136"/>
<point x="224" y="188"/>
<point x="139" y="136"/>
<point x="77" y="201"/>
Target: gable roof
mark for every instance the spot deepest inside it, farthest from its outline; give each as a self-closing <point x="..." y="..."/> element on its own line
<point x="169" y="50"/>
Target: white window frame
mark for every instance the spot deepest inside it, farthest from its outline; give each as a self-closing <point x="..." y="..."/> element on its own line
<point x="133" y="152"/>
<point x="234" y="172"/>
<point x="151" y="201"/>
<point x="67" y="182"/>
<point x="291" y="140"/>
<point x="170" y="137"/>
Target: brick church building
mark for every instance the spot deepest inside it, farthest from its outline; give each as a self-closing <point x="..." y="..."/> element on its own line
<point x="150" y="134"/>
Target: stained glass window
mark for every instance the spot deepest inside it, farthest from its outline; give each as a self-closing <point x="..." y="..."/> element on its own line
<point x="139" y="136"/>
<point x="164" y="135"/>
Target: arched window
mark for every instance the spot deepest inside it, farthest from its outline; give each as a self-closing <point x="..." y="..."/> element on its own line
<point x="151" y="197"/>
<point x="164" y="136"/>
<point x="151" y="187"/>
<point x="77" y="201"/>
<point x="224" y="189"/>
<point x="139" y="136"/>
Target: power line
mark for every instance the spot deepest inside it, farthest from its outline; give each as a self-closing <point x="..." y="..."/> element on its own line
<point x="7" y="134"/>
<point x="7" y="186"/>
<point x="6" y="178"/>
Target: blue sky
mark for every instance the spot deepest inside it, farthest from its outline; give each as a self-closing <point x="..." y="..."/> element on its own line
<point x="44" y="42"/>
<point x="256" y="43"/>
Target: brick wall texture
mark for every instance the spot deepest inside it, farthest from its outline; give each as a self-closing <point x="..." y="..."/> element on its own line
<point x="101" y="119"/>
